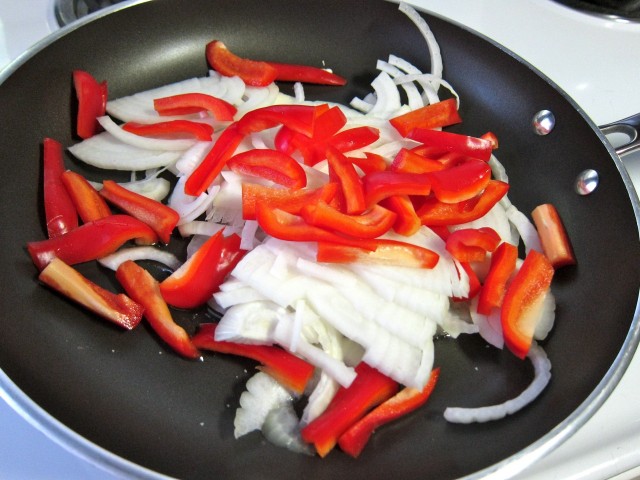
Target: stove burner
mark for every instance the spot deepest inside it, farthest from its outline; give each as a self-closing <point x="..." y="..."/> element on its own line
<point x="624" y="9"/>
<point x="67" y="11"/>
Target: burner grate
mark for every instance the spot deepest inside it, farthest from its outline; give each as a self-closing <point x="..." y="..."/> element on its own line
<point x="68" y="11"/>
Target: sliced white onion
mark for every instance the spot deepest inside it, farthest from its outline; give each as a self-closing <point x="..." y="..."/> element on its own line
<point x="199" y="227"/>
<point x="156" y="188"/>
<point x="114" y="260"/>
<point x="525" y="228"/>
<point x="542" y="375"/>
<point x="282" y="428"/>
<point x="192" y="157"/>
<point x="298" y="92"/>
<point x="189" y="207"/>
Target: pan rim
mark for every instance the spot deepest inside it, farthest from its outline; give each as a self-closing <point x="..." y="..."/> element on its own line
<point x="507" y="468"/>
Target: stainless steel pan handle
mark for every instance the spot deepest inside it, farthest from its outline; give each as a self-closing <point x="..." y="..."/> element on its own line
<point x="629" y="127"/>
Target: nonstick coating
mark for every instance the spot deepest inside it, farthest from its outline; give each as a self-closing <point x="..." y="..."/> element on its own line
<point x="130" y="395"/>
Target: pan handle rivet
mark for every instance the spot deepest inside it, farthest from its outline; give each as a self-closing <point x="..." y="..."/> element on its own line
<point x="586" y="182"/>
<point x="543" y="122"/>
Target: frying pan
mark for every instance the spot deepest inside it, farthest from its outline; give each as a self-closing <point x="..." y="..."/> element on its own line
<point x="127" y="403"/>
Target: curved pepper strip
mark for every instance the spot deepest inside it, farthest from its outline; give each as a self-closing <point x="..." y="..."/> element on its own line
<point x="291" y="371"/>
<point x="172" y="128"/>
<point x="60" y="212"/>
<point x="299" y="118"/>
<point x="185" y="103"/>
<point x="461" y="182"/>
<point x="436" y="115"/>
<point x="380" y="185"/>
<point x="371" y="162"/>
<point x="503" y="264"/>
<point x="349" y="180"/>
<point x="369" y="389"/>
<point x="195" y="281"/>
<point x="288" y="72"/>
<point x="92" y="103"/>
<point x="523" y="296"/>
<point x="472" y="244"/>
<point x="91" y="241"/>
<point x="161" y="218"/>
<point x="379" y="251"/>
<point x="474" y="147"/>
<point x="437" y="213"/>
<point x="144" y="289"/>
<point x="409" y="161"/>
<point x="370" y="224"/>
<point x="407" y="221"/>
<point x="271" y="165"/>
<point x="88" y="202"/>
<point x="252" y="72"/>
<point x="291" y="201"/>
<point x="407" y="400"/>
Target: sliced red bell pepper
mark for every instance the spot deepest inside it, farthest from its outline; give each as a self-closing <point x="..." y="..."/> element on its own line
<point x="88" y="202"/>
<point x="117" y="308"/>
<point x="60" y="212"/>
<point x="195" y="281"/>
<point x="437" y="213"/>
<point x="290" y="201"/>
<point x="328" y="123"/>
<point x="288" y="72"/>
<point x="371" y="162"/>
<point x="472" y="244"/>
<point x="291" y="371"/>
<point x="91" y="241"/>
<point x="160" y="217"/>
<point x="380" y="185"/>
<point x="185" y="103"/>
<point x="407" y="221"/>
<point x="299" y="118"/>
<point x="379" y="251"/>
<point x="492" y="138"/>
<point x="92" y="103"/>
<point x="285" y="226"/>
<point x="213" y="163"/>
<point x="409" y="161"/>
<point x="271" y="165"/>
<point x="144" y="289"/>
<point x="436" y="115"/>
<point x="370" y="224"/>
<point x="252" y="72"/>
<point x="171" y="128"/>
<point x="407" y="400"/>
<point x="503" y="264"/>
<point x="354" y="138"/>
<point x="521" y="306"/>
<point x="461" y="182"/>
<point x="370" y="388"/>
<point x="553" y="236"/>
<point x="349" y="181"/>
<point x="469" y="146"/>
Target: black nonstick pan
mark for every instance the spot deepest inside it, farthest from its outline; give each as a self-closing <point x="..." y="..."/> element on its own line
<point x="126" y="402"/>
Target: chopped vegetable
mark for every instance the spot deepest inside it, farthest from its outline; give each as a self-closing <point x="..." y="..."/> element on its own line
<point x="440" y="114"/>
<point x="271" y="165"/>
<point x="472" y="244"/>
<point x="553" y="236"/>
<point x="252" y="72"/>
<point x="60" y="212"/>
<point x="195" y="102"/>
<point x="86" y="199"/>
<point x="503" y="264"/>
<point x="92" y="102"/>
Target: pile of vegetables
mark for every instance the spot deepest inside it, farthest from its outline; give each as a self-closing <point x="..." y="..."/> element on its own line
<point x="335" y="241"/>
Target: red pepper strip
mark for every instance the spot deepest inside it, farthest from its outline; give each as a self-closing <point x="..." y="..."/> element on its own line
<point x="92" y="103"/>
<point x="349" y="181"/>
<point x="407" y="221"/>
<point x="88" y="202"/>
<point x="370" y="224"/>
<point x="409" y="161"/>
<point x="553" y="236"/>
<point x="184" y="103"/>
<point x="520" y="307"/>
<point x="380" y="185"/>
<point x="161" y="218"/>
<point x="271" y="165"/>
<point x="60" y="212"/>
<point x="453" y="142"/>
<point x="503" y="264"/>
<point x="196" y="280"/>
<point x="436" y="115"/>
<point x="290" y="201"/>
<point x="328" y="123"/>
<point x="285" y="226"/>
<point x="354" y="138"/>
<point x="91" y="241"/>
<point x="213" y="163"/>
<point x="472" y="244"/>
<point x="371" y="162"/>
<point x="407" y="400"/>
<point x="144" y="289"/>
<point x="286" y="368"/>
<point x="461" y="182"/>
<point x="117" y="308"/>
<point x="299" y="118"/>
<point x="370" y="388"/>
<point x="474" y="283"/>
<point x="490" y="136"/>
<point x="252" y="72"/>
<point x="287" y="72"/>
<point x="437" y="213"/>
<point x="172" y="128"/>
<point x="384" y="252"/>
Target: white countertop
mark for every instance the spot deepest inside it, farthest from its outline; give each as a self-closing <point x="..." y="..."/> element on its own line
<point x="548" y="36"/>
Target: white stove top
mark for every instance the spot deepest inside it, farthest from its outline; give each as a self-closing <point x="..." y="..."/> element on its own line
<point x="595" y="60"/>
